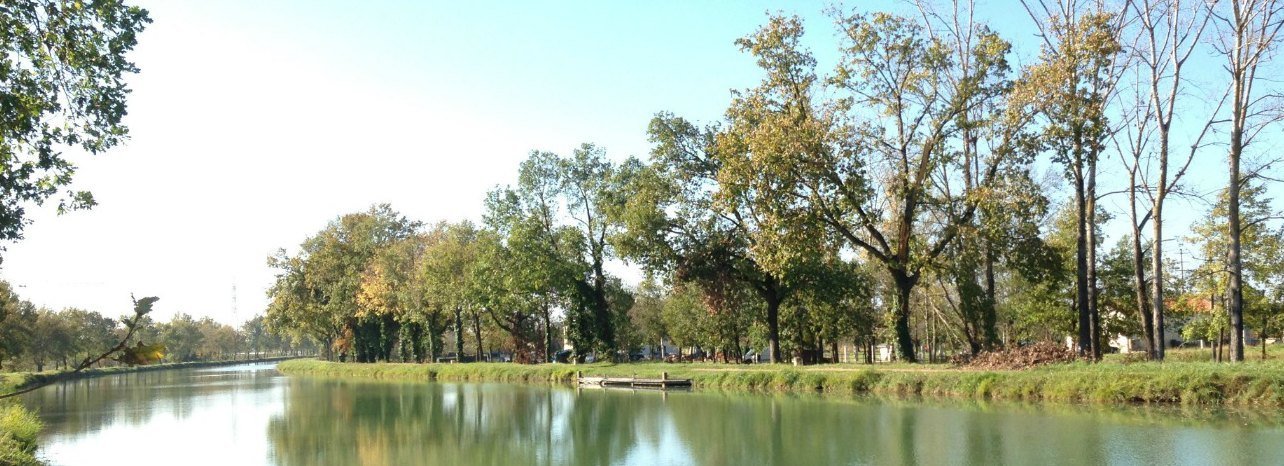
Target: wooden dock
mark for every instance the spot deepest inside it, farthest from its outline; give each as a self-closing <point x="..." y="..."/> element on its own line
<point x="662" y="383"/>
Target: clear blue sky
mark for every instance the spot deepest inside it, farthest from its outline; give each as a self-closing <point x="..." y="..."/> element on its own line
<point x="254" y="123"/>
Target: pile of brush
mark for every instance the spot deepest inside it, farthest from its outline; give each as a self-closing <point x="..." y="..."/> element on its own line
<point x="1021" y="357"/>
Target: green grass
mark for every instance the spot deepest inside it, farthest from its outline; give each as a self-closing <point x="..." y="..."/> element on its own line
<point x="18" y="430"/>
<point x="1253" y="383"/>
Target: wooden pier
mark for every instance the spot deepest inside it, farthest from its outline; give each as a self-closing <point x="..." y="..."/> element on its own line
<point x="662" y="383"/>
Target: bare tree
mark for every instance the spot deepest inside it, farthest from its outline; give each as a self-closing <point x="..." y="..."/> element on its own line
<point x="1248" y="31"/>
<point x="1169" y="31"/>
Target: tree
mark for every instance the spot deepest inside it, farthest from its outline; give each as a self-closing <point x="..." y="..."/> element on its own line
<point x="680" y="219"/>
<point x="183" y="337"/>
<point x="542" y="263"/>
<point x="256" y="336"/>
<point x="131" y="355"/>
<point x="316" y="290"/>
<point x="1071" y="86"/>
<point x="557" y="220"/>
<point x="92" y="333"/>
<point x="393" y="286"/>
<point x="51" y="330"/>
<point x="1170" y="32"/>
<point x="1036" y="304"/>
<point x="1248" y="32"/>
<point x="537" y="265"/>
<point x="647" y="314"/>
<point x="448" y="277"/>
<point x="865" y="167"/>
<point x="591" y="189"/>
<point x="64" y="68"/>
<point x="685" y="317"/>
<point x="1260" y="246"/>
<point x="1118" y="292"/>
<point x="17" y="322"/>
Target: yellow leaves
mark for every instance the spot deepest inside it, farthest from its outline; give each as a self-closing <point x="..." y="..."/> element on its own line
<point x="141" y="354"/>
<point x="374" y="297"/>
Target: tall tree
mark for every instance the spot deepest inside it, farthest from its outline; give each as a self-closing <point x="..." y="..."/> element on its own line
<point x="591" y="189"/>
<point x="393" y="284"/>
<point x="873" y="167"/>
<point x="63" y="67"/>
<point x="1071" y="86"/>
<point x="316" y="290"/>
<point x="680" y="220"/>
<point x="526" y="217"/>
<point x="538" y="266"/>
<point x="1169" y="31"/>
<point x="17" y="325"/>
<point x="1248" y="31"/>
<point x="1260" y="241"/>
<point x="509" y="301"/>
<point x="560" y="208"/>
<point x="448" y="271"/>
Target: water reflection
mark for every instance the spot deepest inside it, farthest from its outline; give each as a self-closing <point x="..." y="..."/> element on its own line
<point x="248" y="416"/>
<point x="156" y="417"/>
<point x="365" y="423"/>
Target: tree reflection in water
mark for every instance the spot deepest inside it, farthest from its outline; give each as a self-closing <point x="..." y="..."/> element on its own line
<point x="248" y="416"/>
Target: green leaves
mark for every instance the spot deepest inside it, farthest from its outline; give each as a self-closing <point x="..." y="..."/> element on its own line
<point x="64" y="68"/>
<point x="318" y="291"/>
<point x="144" y="306"/>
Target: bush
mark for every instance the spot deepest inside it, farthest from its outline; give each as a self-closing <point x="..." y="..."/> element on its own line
<point x="18" y="431"/>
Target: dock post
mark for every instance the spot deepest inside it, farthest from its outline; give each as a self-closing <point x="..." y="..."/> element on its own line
<point x="664" y="376"/>
<point x="579" y="375"/>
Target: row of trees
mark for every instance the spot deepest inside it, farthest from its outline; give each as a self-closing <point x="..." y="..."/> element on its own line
<point x="33" y="338"/>
<point x="895" y="198"/>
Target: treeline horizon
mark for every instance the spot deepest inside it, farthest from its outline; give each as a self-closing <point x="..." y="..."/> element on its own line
<point x="892" y="199"/>
<point x="38" y="338"/>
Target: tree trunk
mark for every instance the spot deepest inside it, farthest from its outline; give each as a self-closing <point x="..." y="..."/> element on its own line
<point x="1157" y="251"/>
<point x="459" y="334"/>
<point x="904" y="341"/>
<point x="1261" y="338"/>
<point x="1081" y="271"/>
<point x="1221" y="344"/>
<point x="740" y="350"/>
<point x="989" y="316"/>
<point x="434" y="340"/>
<point x="601" y="309"/>
<point x="1139" y="272"/>
<point x="548" y="332"/>
<point x="1234" y="287"/>
<point x="773" y="326"/>
<point x="481" y="352"/>
<point x="1093" y="310"/>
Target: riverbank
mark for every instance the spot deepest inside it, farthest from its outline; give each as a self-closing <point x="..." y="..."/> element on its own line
<point x="18" y="430"/>
<point x="1186" y="383"/>
<point x="14" y="381"/>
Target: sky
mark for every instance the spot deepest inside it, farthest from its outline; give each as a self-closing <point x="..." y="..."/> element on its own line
<point x="253" y="124"/>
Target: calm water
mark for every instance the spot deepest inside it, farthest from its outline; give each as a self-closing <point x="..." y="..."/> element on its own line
<point x="250" y="414"/>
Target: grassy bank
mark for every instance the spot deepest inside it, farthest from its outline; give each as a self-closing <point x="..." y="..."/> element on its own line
<point x="13" y="381"/>
<point x="1190" y="383"/>
<point x="18" y="430"/>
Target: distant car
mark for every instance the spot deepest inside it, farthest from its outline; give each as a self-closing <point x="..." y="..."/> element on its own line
<point x="562" y="356"/>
